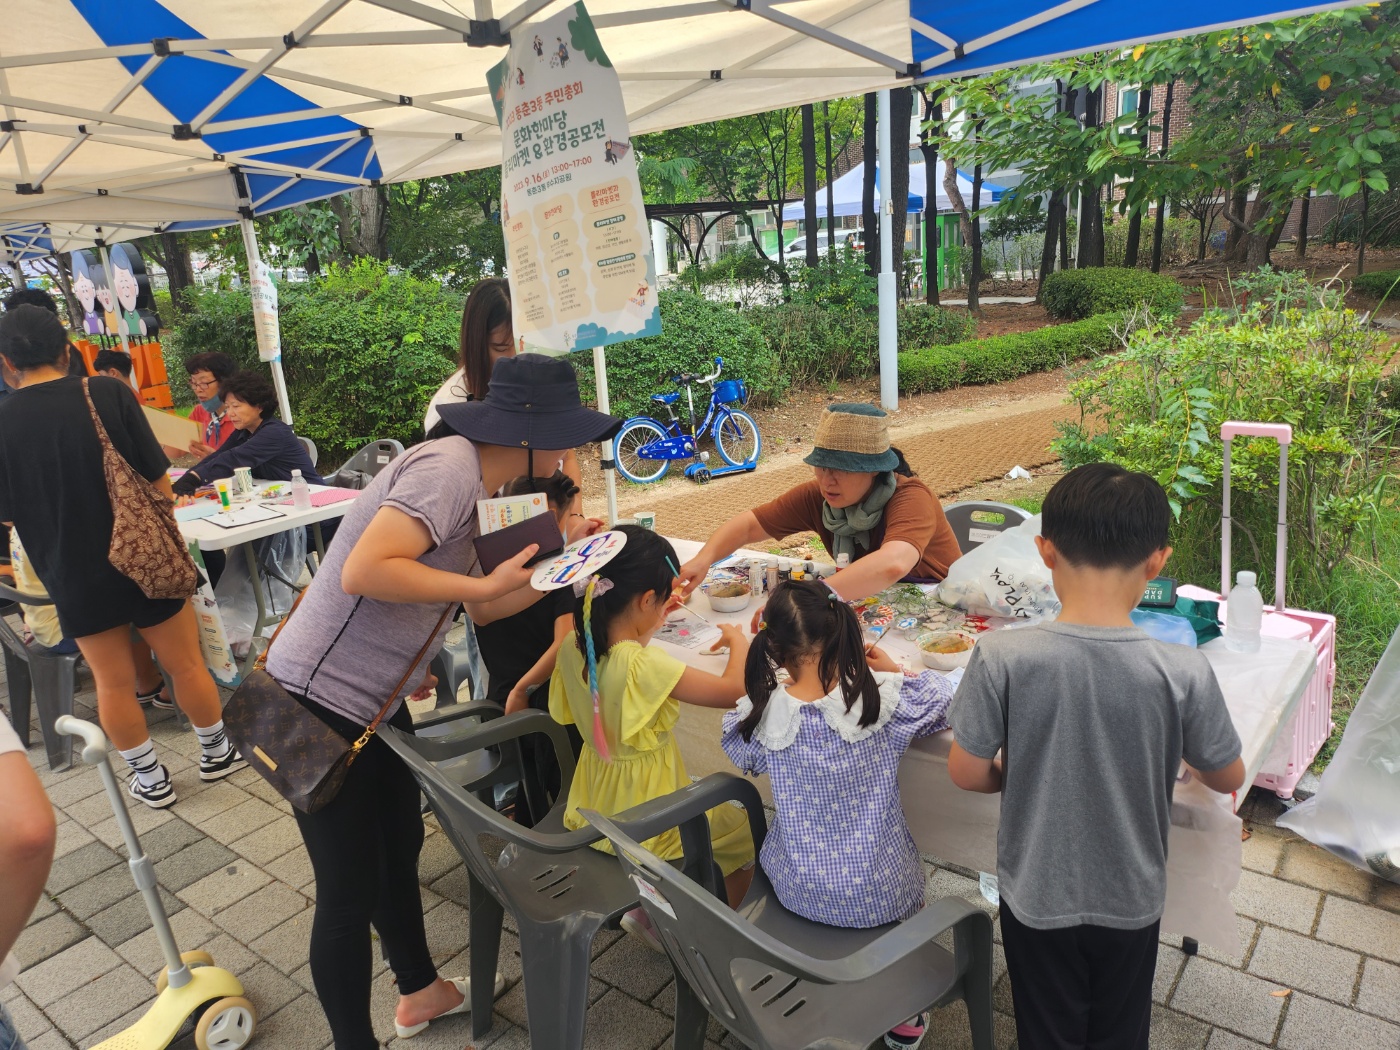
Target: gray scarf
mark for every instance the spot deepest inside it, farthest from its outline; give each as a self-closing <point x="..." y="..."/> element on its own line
<point x="851" y="526"/>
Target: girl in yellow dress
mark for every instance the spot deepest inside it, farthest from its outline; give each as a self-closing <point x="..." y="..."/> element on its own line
<point x="625" y="697"/>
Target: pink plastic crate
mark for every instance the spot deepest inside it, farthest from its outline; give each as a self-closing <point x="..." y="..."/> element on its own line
<point x="1299" y="742"/>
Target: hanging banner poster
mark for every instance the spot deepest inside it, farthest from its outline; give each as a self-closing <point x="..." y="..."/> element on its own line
<point x="218" y="655"/>
<point x="577" y="240"/>
<point x="264" y="295"/>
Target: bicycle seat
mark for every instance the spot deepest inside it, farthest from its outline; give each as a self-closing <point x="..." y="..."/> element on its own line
<point x="666" y="399"/>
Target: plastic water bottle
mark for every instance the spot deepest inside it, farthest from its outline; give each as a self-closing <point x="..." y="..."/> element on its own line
<point x="1244" y="612"/>
<point x="301" y="500"/>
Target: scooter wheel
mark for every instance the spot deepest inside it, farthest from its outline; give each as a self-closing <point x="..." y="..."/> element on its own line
<point x="190" y="959"/>
<point x="227" y="1024"/>
<point x="701" y="477"/>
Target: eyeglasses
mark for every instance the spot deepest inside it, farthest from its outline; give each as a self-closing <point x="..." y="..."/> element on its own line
<point x="201" y="384"/>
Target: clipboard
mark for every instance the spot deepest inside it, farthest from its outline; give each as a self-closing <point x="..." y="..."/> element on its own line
<point x="172" y="430"/>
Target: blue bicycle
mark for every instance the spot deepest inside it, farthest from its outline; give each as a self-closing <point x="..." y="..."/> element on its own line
<point x="645" y="446"/>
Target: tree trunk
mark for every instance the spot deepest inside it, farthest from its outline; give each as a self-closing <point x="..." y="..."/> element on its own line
<point x="928" y="146"/>
<point x="974" y="293"/>
<point x="868" y="219"/>
<point x="1130" y="253"/>
<point x="968" y="227"/>
<point x="1054" y="227"/>
<point x="901" y="114"/>
<point x="363" y="227"/>
<point x="809" y="182"/>
<point x="1071" y="97"/>
<point x="1361" y="240"/>
<point x="1300" y="245"/>
<point x="1090" y="206"/>
<point x="830" y="192"/>
<point x="1236" y="246"/>
<point x="1158" y="228"/>
<point x="178" y="269"/>
<point x="65" y="285"/>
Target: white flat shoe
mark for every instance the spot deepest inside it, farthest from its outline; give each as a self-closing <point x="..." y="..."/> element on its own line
<point x="464" y="985"/>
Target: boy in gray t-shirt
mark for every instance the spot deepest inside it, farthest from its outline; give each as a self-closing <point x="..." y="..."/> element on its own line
<point x="1092" y="719"/>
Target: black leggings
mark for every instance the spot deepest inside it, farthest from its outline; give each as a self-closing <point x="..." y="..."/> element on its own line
<point x="364" y="848"/>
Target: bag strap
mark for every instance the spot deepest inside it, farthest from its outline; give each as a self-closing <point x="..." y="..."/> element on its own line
<point x="261" y="662"/>
<point x="102" y="436"/>
<point x="394" y="693"/>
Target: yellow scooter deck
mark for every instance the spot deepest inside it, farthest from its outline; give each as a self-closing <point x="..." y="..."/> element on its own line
<point x="172" y="1008"/>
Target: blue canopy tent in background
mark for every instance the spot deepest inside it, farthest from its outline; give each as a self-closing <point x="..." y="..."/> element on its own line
<point x="846" y="194"/>
<point x="175" y="114"/>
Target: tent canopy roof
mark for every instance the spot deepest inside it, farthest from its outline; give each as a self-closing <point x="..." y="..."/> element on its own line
<point x="846" y="193"/>
<point x="137" y="111"/>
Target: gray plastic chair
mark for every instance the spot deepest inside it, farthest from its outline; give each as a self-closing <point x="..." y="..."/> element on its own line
<point x="779" y="981"/>
<point x="455" y="664"/>
<point x="310" y="447"/>
<point x="50" y="678"/>
<point x="974" y="522"/>
<point x="559" y="889"/>
<point x="365" y="464"/>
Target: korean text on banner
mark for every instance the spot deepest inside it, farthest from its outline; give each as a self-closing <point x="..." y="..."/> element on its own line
<point x="264" y="294"/>
<point x="577" y="240"/>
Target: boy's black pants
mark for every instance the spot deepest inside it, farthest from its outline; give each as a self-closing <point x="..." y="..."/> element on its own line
<point x="1080" y="987"/>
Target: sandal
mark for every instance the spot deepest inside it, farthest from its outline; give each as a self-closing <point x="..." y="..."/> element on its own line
<point x="464" y="985"/>
<point x="155" y="698"/>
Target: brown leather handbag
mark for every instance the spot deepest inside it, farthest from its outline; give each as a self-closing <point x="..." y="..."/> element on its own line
<point x="297" y="753"/>
<point x="147" y="547"/>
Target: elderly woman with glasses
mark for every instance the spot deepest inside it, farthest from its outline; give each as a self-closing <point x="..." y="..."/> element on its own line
<point x="207" y="371"/>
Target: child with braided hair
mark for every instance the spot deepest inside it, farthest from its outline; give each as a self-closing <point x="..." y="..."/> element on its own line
<point x="625" y="697"/>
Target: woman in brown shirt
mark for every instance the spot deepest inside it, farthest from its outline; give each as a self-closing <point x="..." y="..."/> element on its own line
<point x="892" y="526"/>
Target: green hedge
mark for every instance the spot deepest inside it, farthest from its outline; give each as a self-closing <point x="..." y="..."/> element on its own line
<point x="694" y="331"/>
<point x="1376" y="285"/>
<point x="363" y="350"/>
<point x="1075" y="294"/>
<point x="1003" y="357"/>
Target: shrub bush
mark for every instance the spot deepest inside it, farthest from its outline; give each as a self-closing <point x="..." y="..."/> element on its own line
<point x="921" y="325"/>
<point x="1376" y="285"/>
<point x="1003" y="357"/>
<point x="1076" y="294"/>
<point x="694" y="331"/>
<point x="1158" y="407"/>
<point x="363" y="350"/>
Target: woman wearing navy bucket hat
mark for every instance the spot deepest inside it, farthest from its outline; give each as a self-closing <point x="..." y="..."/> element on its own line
<point x="405" y="555"/>
<point x="862" y="503"/>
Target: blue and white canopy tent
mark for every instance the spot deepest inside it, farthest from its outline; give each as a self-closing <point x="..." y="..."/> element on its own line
<point x="187" y="113"/>
<point x="846" y="193"/>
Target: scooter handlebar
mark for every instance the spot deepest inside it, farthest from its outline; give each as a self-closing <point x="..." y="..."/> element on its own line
<point x="94" y="741"/>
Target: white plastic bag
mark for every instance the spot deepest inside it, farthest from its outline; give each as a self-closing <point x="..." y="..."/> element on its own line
<point x="281" y="559"/>
<point x="1356" y="811"/>
<point x="1003" y="577"/>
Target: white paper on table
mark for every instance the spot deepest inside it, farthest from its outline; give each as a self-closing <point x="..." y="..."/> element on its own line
<point x="245" y="516"/>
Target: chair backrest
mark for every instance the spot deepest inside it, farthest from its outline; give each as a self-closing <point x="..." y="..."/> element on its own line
<point x="310" y="447"/>
<point x="710" y="946"/>
<point x="375" y="456"/>
<point x="975" y="522"/>
<point x="539" y="891"/>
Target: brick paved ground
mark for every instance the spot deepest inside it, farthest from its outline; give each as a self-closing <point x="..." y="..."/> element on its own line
<point x="238" y="884"/>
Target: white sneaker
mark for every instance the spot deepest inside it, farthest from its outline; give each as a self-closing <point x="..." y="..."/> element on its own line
<point x="159" y="796"/>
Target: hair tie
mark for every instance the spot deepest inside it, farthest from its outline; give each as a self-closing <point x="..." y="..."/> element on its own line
<point x="763" y="625"/>
<point x="601" y="585"/>
<point x="831" y="594"/>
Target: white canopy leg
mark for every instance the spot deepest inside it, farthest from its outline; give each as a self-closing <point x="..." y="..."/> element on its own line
<point x="600" y="376"/>
<point x="112" y="288"/>
<point x="889" y="301"/>
<point x="279" y="381"/>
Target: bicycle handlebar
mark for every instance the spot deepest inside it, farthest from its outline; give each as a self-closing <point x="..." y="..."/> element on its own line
<point x="687" y="378"/>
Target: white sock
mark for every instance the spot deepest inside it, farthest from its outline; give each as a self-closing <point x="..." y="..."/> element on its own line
<point x="142" y="760"/>
<point x="212" y="740"/>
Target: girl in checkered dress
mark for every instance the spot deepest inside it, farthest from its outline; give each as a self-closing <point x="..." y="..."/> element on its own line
<point x="830" y="739"/>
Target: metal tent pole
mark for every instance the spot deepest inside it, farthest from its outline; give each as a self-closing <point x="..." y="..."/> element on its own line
<point x="279" y="381"/>
<point x="600" y="376"/>
<point x="112" y="291"/>
<point x="889" y="331"/>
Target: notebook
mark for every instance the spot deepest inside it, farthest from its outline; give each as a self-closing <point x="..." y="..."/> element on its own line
<point x="493" y="548"/>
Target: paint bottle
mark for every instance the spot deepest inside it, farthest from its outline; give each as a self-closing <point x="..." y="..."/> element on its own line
<point x="770" y="576"/>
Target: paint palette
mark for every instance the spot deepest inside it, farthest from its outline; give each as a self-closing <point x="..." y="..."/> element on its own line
<point x="578" y="560"/>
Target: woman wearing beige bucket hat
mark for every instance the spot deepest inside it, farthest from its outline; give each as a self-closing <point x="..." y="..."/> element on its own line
<point x="892" y="527"/>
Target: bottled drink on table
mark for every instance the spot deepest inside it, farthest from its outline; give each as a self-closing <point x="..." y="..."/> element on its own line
<point x="1244" y="612"/>
<point x="301" y="493"/>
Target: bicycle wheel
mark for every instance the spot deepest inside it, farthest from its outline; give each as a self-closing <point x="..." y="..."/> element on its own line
<point x="736" y="437"/>
<point x="626" y="447"/>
